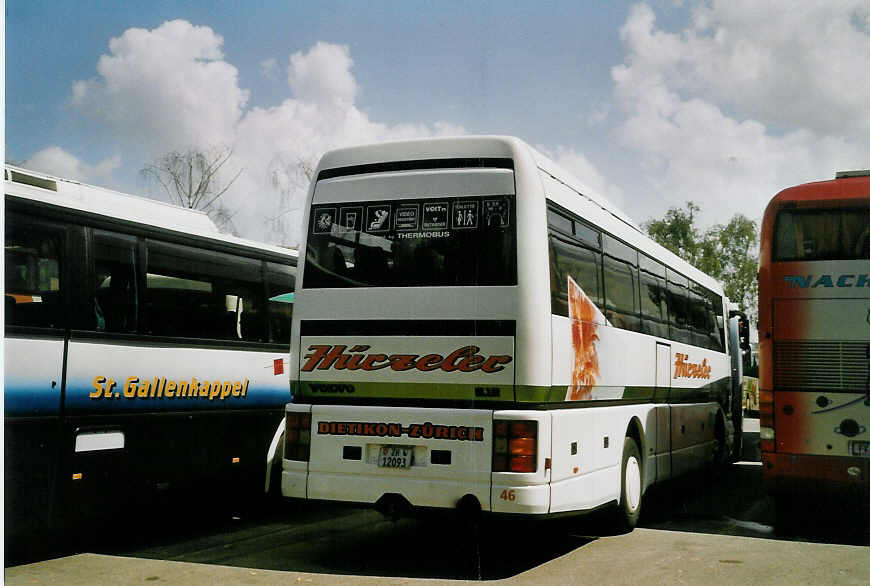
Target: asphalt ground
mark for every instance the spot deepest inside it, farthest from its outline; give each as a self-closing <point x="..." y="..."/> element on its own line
<point x="690" y="534"/>
<point x="644" y="556"/>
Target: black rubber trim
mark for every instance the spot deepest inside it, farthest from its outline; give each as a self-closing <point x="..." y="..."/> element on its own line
<point x="383" y="327"/>
<point x="422" y="164"/>
<point x="144" y="340"/>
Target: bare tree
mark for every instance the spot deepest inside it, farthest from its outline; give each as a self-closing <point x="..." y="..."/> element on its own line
<point x="291" y="179"/>
<point x="190" y="179"/>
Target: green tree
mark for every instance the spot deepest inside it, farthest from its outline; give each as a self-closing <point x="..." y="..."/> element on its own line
<point x="728" y="253"/>
<point x="677" y="232"/>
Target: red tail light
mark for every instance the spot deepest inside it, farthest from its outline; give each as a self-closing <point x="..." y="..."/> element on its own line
<point x="515" y="446"/>
<point x="767" y="432"/>
<point x="297" y="436"/>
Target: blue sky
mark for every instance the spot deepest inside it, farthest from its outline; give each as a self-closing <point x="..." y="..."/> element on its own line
<point x="651" y="104"/>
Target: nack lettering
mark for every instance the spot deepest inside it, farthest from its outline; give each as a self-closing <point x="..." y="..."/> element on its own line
<point x="841" y="281"/>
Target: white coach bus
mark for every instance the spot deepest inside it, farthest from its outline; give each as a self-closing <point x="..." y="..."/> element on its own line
<point x="476" y="330"/>
<point x="145" y="354"/>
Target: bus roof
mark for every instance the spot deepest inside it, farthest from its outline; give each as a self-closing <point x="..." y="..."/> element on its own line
<point x="74" y="195"/>
<point x="456" y="148"/>
<point x="371" y="157"/>
<point x="847" y="185"/>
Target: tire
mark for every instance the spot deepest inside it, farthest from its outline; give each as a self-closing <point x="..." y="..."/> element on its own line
<point x="275" y="472"/>
<point x="631" y="486"/>
<point x="721" y="455"/>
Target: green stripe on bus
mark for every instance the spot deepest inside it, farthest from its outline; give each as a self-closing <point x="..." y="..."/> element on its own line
<point x="338" y="389"/>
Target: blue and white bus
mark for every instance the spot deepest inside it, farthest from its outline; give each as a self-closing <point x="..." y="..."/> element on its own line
<point x="144" y="353"/>
<point x="477" y="330"/>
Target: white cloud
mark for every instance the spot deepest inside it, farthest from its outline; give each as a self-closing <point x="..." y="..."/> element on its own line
<point x="56" y="161"/>
<point x="323" y="74"/>
<point x="748" y="99"/>
<point x="274" y="145"/>
<point x="171" y="88"/>
<point x="164" y="89"/>
<point x="791" y="64"/>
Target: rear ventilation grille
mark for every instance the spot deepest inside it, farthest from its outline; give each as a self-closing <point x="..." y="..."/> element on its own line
<point x="33" y="180"/>
<point x="823" y="365"/>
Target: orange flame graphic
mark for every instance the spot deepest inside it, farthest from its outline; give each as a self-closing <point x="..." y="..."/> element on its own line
<point x="584" y="334"/>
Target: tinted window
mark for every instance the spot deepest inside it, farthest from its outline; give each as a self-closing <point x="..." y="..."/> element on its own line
<point x="620" y="250"/>
<point x="459" y="241"/>
<point x="281" y="282"/>
<point x="718" y="334"/>
<point x="620" y="290"/>
<point x="559" y="222"/>
<point x="651" y="266"/>
<point x="633" y="291"/>
<point x="678" y="308"/>
<point x="620" y="284"/>
<point x="587" y="235"/>
<point x="116" y="291"/>
<point x="569" y="259"/>
<point x="699" y="317"/>
<point x="195" y="293"/>
<point x="822" y="234"/>
<point x="653" y="304"/>
<point x="33" y="274"/>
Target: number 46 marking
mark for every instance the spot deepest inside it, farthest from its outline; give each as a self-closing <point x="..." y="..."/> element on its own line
<point x="508" y="495"/>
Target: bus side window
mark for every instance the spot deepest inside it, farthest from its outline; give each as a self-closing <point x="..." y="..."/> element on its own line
<point x="33" y="275"/>
<point x="653" y="305"/>
<point x="718" y="333"/>
<point x="116" y="291"/>
<point x="699" y="316"/>
<point x="678" y="308"/>
<point x="620" y="285"/>
<point x="705" y="328"/>
<point x="281" y="283"/>
<point x="568" y="259"/>
<point x="197" y="293"/>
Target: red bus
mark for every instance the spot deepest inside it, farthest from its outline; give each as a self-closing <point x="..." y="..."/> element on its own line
<point x="814" y="334"/>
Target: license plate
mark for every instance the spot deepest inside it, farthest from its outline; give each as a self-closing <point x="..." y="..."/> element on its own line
<point x="859" y="448"/>
<point x="395" y="457"/>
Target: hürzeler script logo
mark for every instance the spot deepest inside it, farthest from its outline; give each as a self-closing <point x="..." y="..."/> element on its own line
<point x="338" y="357"/>
<point x="685" y="369"/>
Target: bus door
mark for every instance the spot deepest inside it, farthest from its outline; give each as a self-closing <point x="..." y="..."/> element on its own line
<point x="33" y="362"/>
<point x="663" y="411"/>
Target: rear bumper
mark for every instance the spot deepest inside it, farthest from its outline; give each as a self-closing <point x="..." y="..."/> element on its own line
<point x="804" y="474"/>
<point x="296" y="482"/>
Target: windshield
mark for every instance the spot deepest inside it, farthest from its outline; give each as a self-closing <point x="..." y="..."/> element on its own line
<point x="828" y="234"/>
<point x="456" y="241"/>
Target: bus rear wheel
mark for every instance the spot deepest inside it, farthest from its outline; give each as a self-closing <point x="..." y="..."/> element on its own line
<point x="631" y="486"/>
